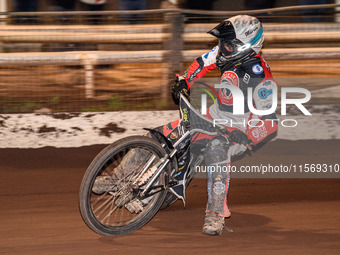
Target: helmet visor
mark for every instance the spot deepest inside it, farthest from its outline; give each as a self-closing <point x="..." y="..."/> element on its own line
<point x="231" y="48"/>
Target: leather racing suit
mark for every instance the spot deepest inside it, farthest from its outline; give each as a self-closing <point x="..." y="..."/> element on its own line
<point x="254" y="73"/>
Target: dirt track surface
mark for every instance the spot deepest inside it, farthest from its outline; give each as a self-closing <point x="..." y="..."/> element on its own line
<point x="39" y="208"/>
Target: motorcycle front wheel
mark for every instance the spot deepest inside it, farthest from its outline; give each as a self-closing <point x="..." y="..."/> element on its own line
<point x="107" y="203"/>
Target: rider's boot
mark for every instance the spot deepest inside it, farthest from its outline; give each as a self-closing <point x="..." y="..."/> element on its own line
<point x="104" y="183"/>
<point x="213" y="224"/>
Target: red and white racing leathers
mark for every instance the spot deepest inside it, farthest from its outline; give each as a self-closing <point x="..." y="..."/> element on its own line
<point x="254" y="73"/>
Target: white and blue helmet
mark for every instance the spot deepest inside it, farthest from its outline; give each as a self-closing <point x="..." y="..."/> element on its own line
<point x="239" y="38"/>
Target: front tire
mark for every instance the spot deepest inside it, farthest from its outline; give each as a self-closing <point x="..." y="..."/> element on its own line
<point x="99" y="207"/>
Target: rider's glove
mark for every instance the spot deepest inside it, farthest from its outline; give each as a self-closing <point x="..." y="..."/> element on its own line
<point x="238" y="136"/>
<point x="181" y="86"/>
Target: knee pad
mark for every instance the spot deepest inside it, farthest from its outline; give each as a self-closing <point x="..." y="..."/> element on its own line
<point x="216" y="152"/>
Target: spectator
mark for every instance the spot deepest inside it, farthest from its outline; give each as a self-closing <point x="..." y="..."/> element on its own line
<point x="25" y="6"/>
<point x="63" y="5"/>
<point x="124" y="5"/>
<point x="312" y="15"/>
<point x="170" y="4"/>
<point x="93" y="5"/>
<point x="260" y="4"/>
<point x="198" y="5"/>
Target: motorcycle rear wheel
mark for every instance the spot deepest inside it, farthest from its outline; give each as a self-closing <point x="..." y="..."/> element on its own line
<point x="99" y="207"/>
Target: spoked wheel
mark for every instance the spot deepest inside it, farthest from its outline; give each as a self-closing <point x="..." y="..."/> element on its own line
<point x="111" y="198"/>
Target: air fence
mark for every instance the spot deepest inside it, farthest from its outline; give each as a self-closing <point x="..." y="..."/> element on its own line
<point x="128" y="59"/>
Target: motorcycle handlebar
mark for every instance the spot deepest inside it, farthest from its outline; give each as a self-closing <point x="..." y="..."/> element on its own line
<point x="221" y="130"/>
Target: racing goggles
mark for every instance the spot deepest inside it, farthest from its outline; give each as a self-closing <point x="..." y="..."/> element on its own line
<point x="231" y="48"/>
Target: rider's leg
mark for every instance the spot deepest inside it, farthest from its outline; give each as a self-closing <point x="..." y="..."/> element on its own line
<point x="217" y="160"/>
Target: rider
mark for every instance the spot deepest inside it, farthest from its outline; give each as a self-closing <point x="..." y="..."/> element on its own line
<point x="240" y="40"/>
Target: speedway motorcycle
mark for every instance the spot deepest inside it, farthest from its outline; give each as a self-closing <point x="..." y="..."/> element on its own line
<point x="130" y="180"/>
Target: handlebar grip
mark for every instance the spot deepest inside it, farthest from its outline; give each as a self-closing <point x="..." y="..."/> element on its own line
<point x="185" y="93"/>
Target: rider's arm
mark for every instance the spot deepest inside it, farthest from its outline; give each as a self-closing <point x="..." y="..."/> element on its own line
<point x="202" y="65"/>
<point x="196" y="70"/>
<point x="263" y="98"/>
